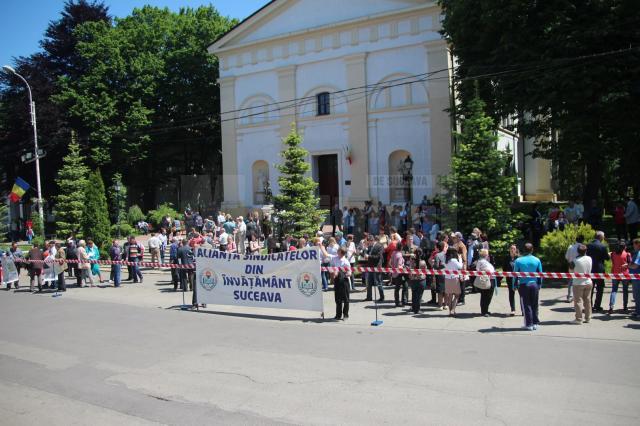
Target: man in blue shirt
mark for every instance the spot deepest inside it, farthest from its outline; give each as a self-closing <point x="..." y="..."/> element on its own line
<point x="634" y="269"/>
<point x="528" y="288"/>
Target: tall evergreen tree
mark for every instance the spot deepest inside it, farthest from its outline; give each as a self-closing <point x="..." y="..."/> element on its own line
<point x="480" y="190"/>
<point x="72" y="181"/>
<point x="95" y="217"/>
<point x="297" y="206"/>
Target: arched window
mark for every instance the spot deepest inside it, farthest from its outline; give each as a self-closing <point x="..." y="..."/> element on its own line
<point x="398" y="90"/>
<point x="258" y="109"/>
<point x="398" y="183"/>
<point x="260" y="177"/>
<point x="324" y="103"/>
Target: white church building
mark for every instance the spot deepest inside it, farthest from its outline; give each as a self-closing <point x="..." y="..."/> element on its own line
<point x="367" y="84"/>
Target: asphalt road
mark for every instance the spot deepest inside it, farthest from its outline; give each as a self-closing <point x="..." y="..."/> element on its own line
<point x="68" y="361"/>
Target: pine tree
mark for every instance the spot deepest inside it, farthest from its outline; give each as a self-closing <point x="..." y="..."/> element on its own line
<point x="4" y="220"/>
<point x="95" y="218"/>
<point x="480" y="191"/>
<point x="297" y="207"/>
<point x="71" y="181"/>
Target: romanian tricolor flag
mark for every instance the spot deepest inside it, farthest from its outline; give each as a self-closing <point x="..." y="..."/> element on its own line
<point x="19" y="188"/>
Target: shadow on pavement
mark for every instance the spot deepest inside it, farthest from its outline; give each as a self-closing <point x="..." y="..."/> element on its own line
<point x="500" y="329"/>
<point x="260" y="316"/>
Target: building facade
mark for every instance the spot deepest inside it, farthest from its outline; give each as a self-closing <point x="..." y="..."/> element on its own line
<point x="366" y="83"/>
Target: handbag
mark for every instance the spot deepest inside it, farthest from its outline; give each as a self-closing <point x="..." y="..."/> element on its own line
<point x="482" y="282"/>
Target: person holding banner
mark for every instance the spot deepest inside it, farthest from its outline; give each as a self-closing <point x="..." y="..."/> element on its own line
<point x="16" y="255"/>
<point x="60" y="267"/>
<point x="35" y="268"/>
<point x="341" y="283"/>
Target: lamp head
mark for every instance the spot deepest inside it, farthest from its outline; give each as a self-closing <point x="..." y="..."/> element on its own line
<point x="408" y="163"/>
<point x="8" y="69"/>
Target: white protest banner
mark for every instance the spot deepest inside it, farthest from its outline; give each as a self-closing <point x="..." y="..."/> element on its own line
<point x="48" y="271"/>
<point x="289" y="280"/>
<point x="9" y="271"/>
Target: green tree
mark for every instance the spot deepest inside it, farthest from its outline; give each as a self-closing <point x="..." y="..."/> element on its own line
<point x="38" y="231"/>
<point x="564" y="68"/>
<point x="4" y="220"/>
<point x="479" y="191"/>
<point x="58" y="57"/>
<point x="297" y="206"/>
<point x="95" y="217"/>
<point x="72" y="182"/>
<point x="150" y="84"/>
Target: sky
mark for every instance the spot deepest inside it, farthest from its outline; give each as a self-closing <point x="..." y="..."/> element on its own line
<point x="23" y="22"/>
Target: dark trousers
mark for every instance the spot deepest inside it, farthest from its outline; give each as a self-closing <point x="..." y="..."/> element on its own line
<point x="633" y="230"/>
<point x="175" y="275"/>
<point x="417" y="288"/>
<point x="186" y="279"/>
<point x="598" y="287"/>
<point x="485" y="298"/>
<point x="341" y="296"/>
<point x="135" y="270"/>
<point x="374" y="279"/>
<point x="512" y="297"/>
<point x="72" y="269"/>
<point x="463" y="286"/>
<point x="400" y="283"/>
<point x="529" y="302"/>
<point x="116" y="272"/>
<point x="62" y="286"/>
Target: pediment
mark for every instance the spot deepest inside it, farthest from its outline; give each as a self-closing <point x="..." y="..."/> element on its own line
<point x="282" y="17"/>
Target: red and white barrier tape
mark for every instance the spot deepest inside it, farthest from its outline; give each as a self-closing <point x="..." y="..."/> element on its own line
<point x="556" y="275"/>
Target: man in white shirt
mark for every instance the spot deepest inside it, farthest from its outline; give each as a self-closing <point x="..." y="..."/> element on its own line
<point x="223" y="239"/>
<point x="154" y="248"/>
<point x="582" y="286"/>
<point x="162" y="236"/>
<point x="341" y="284"/>
<point x="570" y="256"/>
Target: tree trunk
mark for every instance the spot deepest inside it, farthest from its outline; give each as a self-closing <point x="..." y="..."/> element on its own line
<point x="593" y="180"/>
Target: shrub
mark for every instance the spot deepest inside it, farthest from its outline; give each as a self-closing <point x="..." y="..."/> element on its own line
<point x="553" y="245"/>
<point x="166" y="209"/>
<point x="135" y="215"/>
<point x="125" y="230"/>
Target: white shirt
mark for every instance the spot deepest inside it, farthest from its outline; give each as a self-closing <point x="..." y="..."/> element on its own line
<point x="484" y="265"/>
<point x="154" y="243"/>
<point x="351" y="251"/>
<point x="241" y="226"/>
<point x="453" y="265"/>
<point x="163" y="239"/>
<point x="572" y="253"/>
<point x="341" y="262"/>
<point x="582" y="266"/>
<point x="333" y="249"/>
<point x="223" y="238"/>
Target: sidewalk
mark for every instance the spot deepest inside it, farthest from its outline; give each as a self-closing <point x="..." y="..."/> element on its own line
<point x="555" y="314"/>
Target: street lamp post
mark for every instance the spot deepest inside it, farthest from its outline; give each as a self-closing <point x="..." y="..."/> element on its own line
<point x="118" y="187"/>
<point x="408" y="177"/>
<point x="32" y="112"/>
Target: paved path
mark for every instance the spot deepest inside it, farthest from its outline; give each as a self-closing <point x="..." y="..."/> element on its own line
<point x="123" y="356"/>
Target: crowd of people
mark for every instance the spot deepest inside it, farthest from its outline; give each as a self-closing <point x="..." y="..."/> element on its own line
<point x="417" y="244"/>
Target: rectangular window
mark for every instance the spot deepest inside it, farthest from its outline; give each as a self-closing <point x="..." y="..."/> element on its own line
<point x="324" y="103"/>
